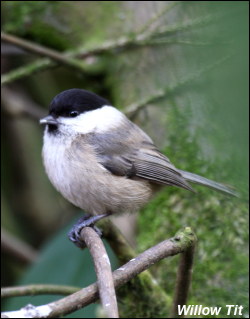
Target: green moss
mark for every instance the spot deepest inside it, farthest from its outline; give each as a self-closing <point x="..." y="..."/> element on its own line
<point x="142" y="298"/>
<point x="185" y="238"/>
<point x="37" y="21"/>
<point x="20" y="14"/>
<point x="96" y="26"/>
<point x="139" y="299"/>
<point x="220" y="265"/>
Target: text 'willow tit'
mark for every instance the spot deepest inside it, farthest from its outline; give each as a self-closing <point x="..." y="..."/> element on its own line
<point x="102" y="162"/>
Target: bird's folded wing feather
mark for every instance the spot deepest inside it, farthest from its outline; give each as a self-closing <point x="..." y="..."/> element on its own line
<point x="136" y="159"/>
<point x="157" y="168"/>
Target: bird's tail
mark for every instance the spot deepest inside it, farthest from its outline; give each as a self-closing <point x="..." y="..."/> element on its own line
<point x="194" y="178"/>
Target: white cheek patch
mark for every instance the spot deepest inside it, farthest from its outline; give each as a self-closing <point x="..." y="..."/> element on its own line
<point x="99" y="120"/>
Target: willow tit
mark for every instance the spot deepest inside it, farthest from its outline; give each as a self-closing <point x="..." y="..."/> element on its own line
<point x="102" y="162"/>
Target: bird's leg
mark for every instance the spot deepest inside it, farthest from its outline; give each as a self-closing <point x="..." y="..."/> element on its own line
<point x="85" y="221"/>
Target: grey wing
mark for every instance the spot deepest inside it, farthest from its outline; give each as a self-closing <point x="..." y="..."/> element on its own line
<point x="154" y="166"/>
<point x="137" y="157"/>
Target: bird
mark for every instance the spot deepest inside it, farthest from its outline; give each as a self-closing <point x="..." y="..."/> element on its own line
<point x="102" y="162"/>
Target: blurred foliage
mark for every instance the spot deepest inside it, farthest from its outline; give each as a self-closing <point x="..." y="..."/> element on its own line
<point x="35" y="21"/>
<point x="59" y="24"/>
<point x="200" y="59"/>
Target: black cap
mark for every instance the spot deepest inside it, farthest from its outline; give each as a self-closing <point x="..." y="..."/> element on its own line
<point x="75" y="100"/>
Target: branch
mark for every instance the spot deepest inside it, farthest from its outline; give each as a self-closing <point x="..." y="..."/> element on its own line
<point x="27" y="70"/>
<point x="170" y="247"/>
<point x="124" y="42"/>
<point x="103" y="271"/>
<point x="16" y="108"/>
<point x="32" y="290"/>
<point x="43" y="51"/>
<point x="17" y="248"/>
<point x="183" y="280"/>
<point x="124" y="252"/>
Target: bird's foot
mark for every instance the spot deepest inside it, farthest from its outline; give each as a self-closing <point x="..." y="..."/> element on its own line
<point x="85" y="221"/>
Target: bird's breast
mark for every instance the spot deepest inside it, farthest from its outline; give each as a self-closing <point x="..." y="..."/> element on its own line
<point x="75" y="172"/>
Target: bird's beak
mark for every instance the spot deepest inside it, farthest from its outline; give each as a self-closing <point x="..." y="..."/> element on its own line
<point x="49" y="120"/>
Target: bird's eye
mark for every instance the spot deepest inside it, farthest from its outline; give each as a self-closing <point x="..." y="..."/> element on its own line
<point x="73" y="113"/>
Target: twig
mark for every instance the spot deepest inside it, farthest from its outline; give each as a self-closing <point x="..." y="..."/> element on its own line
<point x="41" y="50"/>
<point x="132" y="110"/>
<point x="170" y="247"/>
<point x="32" y="290"/>
<point x="17" y="248"/>
<point x="183" y="280"/>
<point x="103" y="271"/>
<point x="27" y="70"/>
<point x="124" y="42"/>
<point x="16" y="108"/>
<point x="124" y="252"/>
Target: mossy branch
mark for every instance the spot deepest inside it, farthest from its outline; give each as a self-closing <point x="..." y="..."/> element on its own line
<point x="43" y="51"/>
<point x="170" y="247"/>
<point x="184" y="275"/>
<point x="74" y="58"/>
<point x="27" y="70"/>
